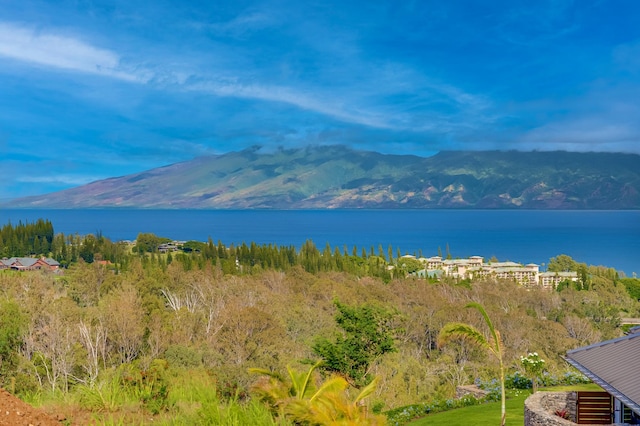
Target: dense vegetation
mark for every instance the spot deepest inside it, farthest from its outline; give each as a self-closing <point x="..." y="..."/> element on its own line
<point x="26" y="238"/>
<point x="132" y="319"/>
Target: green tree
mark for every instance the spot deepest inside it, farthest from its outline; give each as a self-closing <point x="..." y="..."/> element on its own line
<point x="148" y="242"/>
<point x="194" y="246"/>
<point x="633" y="287"/>
<point x="493" y="344"/>
<point x="367" y="334"/>
<point x="533" y="365"/>
<point x="562" y="263"/>
<point x="88" y="248"/>
<point x="409" y="265"/>
<point x="12" y="325"/>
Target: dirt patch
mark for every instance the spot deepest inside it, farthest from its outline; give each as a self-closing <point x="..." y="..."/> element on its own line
<point x="14" y="412"/>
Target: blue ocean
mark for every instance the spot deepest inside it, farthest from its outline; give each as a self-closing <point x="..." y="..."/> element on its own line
<point x="609" y="238"/>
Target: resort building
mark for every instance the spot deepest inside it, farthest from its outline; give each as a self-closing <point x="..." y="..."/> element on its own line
<point x="551" y="280"/>
<point x="474" y="267"/>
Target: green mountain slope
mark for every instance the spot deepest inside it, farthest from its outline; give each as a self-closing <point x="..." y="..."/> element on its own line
<point x="338" y="177"/>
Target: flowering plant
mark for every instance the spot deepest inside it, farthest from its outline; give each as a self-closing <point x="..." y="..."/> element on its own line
<point x="533" y="365"/>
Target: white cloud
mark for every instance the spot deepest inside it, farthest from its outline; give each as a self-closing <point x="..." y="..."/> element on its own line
<point x="27" y="44"/>
<point x="585" y="134"/>
<point x="58" y="179"/>
<point x="292" y="97"/>
<point x="242" y="24"/>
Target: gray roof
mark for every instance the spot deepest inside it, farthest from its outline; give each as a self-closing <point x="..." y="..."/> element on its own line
<point x="28" y="261"/>
<point x="614" y="365"/>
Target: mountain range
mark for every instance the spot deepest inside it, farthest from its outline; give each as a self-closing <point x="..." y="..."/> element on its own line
<point x="327" y="177"/>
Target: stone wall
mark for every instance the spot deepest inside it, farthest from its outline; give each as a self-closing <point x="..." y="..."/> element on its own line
<point x="540" y="408"/>
<point x="472" y="390"/>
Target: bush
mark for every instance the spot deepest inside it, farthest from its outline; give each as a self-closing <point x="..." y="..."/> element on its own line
<point x="105" y="396"/>
<point x="149" y="386"/>
<point x="492" y="386"/>
<point x="182" y="356"/>
<point x="402" y="415"/>
<point x="567" y="378"/>
<point x="517" y="381"/>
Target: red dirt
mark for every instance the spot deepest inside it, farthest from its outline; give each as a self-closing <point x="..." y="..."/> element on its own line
<point x="14" y="412"/>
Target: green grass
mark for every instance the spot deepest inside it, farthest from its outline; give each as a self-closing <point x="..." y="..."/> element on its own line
<point x="489" y="414"/>
<point x="480" y="415"/>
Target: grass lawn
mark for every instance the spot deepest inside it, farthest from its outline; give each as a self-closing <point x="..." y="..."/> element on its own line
<point x="489" y="414"/>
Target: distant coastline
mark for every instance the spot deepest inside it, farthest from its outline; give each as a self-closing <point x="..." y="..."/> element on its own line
<point x="609" y="238"/>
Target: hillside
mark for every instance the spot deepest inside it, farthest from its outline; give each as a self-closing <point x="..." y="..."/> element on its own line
<point x="338" y="177"/>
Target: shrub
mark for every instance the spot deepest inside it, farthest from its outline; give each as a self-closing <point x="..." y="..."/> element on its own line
<point x="149" y="386"/>
<point x="183" y="356"/>
<point x="105" y="396"/>
<point x="517" y="381"/>
<point x="567" y="378"/>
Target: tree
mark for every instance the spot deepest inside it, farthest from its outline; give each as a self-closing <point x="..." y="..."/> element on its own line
<point x="194" y="246"/>
<point x="12" y="325"/>
<point x="53" y="346"/>
<point x="493" y="344"/>
<point x="409" y="265"/>
<point x="149" y="242"/>
<point x="562" y="263"/>
<point x="88" y="248"/>
<point x="367" y="335"/>
<point x="533" y="365"/>
<point x="633" y="287"/>
<point x="124" y="320"/>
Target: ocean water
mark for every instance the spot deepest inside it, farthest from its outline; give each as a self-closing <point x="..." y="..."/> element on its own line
<point x="609" y="238"/>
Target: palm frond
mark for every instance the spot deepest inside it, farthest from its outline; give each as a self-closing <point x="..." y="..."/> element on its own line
<point x="367" y="390"/>
<point x="265" y="372"/>
<point x="302" y="382"/>
<point x="492" y="330"/>
<point x="332" y="385"/>
<point x="457" y="330"/>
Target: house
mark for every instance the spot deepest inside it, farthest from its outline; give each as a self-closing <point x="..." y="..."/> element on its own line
<point x="29" y="263"/>
<point x="614" y="365"/>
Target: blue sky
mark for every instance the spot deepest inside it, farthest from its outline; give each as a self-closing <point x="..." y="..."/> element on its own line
<point x="95" y="89"/>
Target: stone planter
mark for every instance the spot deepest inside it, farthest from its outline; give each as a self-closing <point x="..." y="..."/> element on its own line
<point x="540" y="408"/>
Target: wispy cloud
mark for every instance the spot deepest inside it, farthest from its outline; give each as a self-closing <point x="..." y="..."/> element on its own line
<point x="62" y="179"/>
<point x="45" y="48"/>
<point x="242" y="24"/>
<point x="334" y="108"/>
<point x="51" y="48"/>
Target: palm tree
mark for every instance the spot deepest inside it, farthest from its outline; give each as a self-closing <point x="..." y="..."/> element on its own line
<point x="493" y="345"/>
<point x="282" y="395"/>
<point x="299" y="400"/>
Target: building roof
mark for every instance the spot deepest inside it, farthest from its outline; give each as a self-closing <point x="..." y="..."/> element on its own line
<point x="27" y="262"/>
<point x="507" y="264"/>
<point x="614" y="365"/>
<point x="570" y="274"/>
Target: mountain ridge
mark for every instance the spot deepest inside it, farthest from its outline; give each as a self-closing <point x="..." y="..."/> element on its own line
<point x="335" y="176"/>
